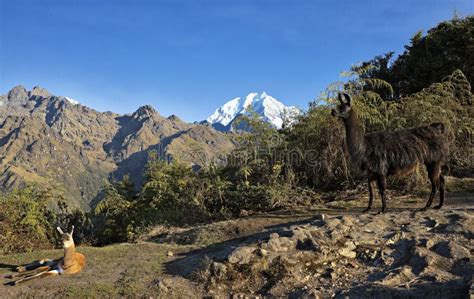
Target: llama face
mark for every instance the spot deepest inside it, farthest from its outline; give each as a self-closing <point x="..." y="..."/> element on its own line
<point x="343" y="110"/>
<point x="66" y="237"/>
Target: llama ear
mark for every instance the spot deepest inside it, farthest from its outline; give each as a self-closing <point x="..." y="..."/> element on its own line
<point x="72" y="229"/>
<point x="60" y="230"/>
<point x="348" y="98"/>
<point x="339" y="97"/>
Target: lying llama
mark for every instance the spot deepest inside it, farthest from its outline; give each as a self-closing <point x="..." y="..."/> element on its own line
<point x="383" y="154"/>
<point x="71" y="263"/>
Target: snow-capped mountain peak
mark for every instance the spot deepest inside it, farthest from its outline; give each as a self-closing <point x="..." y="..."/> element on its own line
<point x="72" y="101"/>
<point x="269" y="109"/>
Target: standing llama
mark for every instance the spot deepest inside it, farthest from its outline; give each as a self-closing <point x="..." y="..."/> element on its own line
<point x="383" y="154"/>
<point x="71" y="263"/>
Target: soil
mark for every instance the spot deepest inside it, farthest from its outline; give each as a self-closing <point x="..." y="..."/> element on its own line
<point x="324" y="251"/>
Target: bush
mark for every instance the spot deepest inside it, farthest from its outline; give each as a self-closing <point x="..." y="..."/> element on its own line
<point x="315" y="150"/>
<point x="26" y="223"/>
<point x="116" y="218"/>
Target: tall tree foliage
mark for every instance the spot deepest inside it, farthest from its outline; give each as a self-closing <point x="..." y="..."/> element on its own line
<point x="429" y="58"/>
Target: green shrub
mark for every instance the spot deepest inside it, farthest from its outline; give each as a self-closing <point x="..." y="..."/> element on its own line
<point x="26" y="222"/>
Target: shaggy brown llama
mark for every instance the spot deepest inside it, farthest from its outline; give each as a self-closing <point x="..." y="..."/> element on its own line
<point x="383" y="154"/>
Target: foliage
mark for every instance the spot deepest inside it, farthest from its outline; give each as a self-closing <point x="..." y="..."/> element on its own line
<point x="258" y="168"/>
<point x="115" y="216"/>
<point x="429" y="58"/>
<point x="26" y="222"/>
<point x="169" y="192"/>
<point x="29" y="216"/>
<point x="315" y="149"/>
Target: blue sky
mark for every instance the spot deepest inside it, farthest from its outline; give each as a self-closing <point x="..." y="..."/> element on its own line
<point x="188" y="57"/>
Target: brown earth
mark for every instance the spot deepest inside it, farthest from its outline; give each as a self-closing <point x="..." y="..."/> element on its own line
<point x="319" y="251"/>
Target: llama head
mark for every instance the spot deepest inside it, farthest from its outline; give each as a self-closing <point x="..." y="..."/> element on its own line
<point x="66" y="237"/>
<point x="342" y="110"/>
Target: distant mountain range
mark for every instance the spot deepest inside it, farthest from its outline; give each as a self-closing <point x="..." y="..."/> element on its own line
<point x="267" y="107"/>
<point x="54" y="140"/>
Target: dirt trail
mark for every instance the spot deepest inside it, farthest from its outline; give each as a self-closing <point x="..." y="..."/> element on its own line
<point x="315" y="252"/>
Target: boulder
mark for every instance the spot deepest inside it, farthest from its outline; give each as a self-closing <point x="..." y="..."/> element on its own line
<point x="241" y="255"/>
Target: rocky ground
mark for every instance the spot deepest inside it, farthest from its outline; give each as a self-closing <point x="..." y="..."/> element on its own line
<point x="395" y="254"/>
<point x="322" y="252"/>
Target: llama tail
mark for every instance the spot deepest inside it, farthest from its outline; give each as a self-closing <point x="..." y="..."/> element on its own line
<point x="439" y="126"/>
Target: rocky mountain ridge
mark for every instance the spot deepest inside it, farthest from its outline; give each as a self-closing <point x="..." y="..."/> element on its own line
<point x="50" y="139"/>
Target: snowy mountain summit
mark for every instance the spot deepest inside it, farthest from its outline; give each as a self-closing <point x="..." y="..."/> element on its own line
<point x="72" y="101"/>
<point x="269" y="109"/>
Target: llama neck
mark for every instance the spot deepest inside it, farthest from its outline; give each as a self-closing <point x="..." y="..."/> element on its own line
<point x="69" y="253"/>
<point x="354" y="138"/>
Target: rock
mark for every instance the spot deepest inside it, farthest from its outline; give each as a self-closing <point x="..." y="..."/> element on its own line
<point x="262" y="252"/>
<point x="308" y="244"/>
<point x="350" y="245"/>
<point x="348" y="250"/>
<point x="18" y="93"/>
<point x="332" y="223"/>
<point x="347" y="253"/>
<point x="429" y="243"/>
<point x="394" y="237"/>
<point x="279" y="244"/>
<point x="40" y="92"/>
<point x="241" y="255"/>
<point x="175" y="287"/>
<point x="398" y="277"/>
<point x="290" y="260"/>
<point x="218" y="270"/>
<point x="451" y="250"/>
<point x="347" y="220"/>
<point x="329" y="273"/>
<point x="274" y="235"/>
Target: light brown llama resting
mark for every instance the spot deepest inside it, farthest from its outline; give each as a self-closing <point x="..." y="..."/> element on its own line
<point x="71" y="263"/>
<point x="383" y="154"/>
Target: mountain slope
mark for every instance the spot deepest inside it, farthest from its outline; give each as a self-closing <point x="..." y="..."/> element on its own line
<point x="266" y="106"/>
<point x="50" y="139"/>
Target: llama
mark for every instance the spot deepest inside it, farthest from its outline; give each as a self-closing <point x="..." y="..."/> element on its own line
<point x="71" y="263"/>
<point x="383" y="154"/>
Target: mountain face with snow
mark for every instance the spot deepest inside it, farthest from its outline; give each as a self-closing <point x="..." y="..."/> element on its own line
<point x="267" y="107"/>
<point x="72" y="101"/>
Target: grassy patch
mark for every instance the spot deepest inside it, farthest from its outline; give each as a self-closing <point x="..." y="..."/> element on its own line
<point x="121" y="270"/>
<point x="96" y="290"/>
<point x="454" y="184"/>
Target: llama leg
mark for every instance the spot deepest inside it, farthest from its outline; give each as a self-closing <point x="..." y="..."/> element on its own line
<point x="371" y="196"/>
<point x="442" y="191"/>
<point x="39" y="275"/>
<point x="433" y="174"/>
<point x="32" y="266"/>
<point x="382" y="185"/>
<point x="30" y="272"/>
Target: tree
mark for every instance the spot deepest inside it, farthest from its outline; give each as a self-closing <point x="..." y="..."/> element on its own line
<point x="428" y="58"/>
